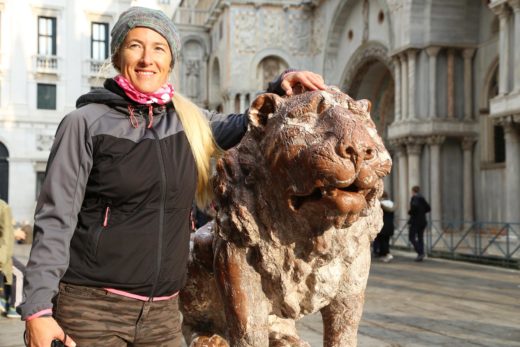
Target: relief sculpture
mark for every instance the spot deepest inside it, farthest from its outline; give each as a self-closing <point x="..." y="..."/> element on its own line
<point x="297" y="208"/>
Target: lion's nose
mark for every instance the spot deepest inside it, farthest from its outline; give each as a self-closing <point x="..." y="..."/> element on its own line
<point x="357" y="153"/>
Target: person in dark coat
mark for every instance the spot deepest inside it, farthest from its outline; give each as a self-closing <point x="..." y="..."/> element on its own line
<point x="381" y="243"/>
<point x="417" y="222"/>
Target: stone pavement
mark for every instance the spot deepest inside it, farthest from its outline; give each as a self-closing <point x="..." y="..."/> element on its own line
<point x="433" y="303"/>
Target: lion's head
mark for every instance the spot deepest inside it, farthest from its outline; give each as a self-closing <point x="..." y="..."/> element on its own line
<point x="313" y="160"/>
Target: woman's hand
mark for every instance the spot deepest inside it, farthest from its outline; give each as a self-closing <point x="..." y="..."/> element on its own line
<point x="297" y="82"/>
<point x="41" y="331"/>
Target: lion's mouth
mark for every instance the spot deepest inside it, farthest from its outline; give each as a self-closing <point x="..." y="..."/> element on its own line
<point x="332" y="193"/>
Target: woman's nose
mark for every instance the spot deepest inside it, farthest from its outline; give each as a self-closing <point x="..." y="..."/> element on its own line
<point x="146" y="58"/>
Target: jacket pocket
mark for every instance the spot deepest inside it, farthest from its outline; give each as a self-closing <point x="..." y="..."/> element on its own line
<point x="100" y="230"/>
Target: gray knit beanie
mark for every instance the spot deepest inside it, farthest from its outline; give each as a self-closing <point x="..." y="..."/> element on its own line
<point x="148" y="18"/>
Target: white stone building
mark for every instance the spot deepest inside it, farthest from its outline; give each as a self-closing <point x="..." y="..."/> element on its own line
<point x="443" y="77"/>
<point x="51" y="53"/>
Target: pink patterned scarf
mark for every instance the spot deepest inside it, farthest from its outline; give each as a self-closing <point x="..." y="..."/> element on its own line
<point x="161" y="96"/>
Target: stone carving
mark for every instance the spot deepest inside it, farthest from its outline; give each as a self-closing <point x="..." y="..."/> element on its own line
<point x="192" y="78"/>
<point x="244" y="25"/>
<point x="274" y="24"/>
<point x="300" y="33"/>
<point x="44" y="142"/>
<point x="297" y="209"/>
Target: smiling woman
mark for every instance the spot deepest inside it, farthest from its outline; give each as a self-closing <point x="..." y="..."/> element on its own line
<point x="112" y="220"/>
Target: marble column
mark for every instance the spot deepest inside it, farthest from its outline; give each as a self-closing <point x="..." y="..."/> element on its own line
<point x="451" y="83"/>
<point x="404" y="87"/>
<point x="411" y="83"/>
<point x="512" y="186"/>
<point x="435" y="143"/>
<point x="413" y="149"/>
<point x="402" y="162"/>
<point x="397" y="93"/>
<point x="503" y="48"/>
<point x="242" y="102"/>
<point x="432" y="53"/>
<point x="515" y="4"/>
<point x="467" y="147"/>
<point x="468" y="79"/>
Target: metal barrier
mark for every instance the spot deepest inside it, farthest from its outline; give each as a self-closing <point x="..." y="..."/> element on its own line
<point x="485" y="242"/>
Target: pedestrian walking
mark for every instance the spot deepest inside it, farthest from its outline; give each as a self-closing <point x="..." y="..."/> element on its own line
<point x="112" y="223"/>
<point x="417" y="222"/>
<point x="381" y="244"/>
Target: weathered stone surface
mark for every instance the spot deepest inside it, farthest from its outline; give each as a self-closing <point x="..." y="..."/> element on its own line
<point x="297" y="209"/>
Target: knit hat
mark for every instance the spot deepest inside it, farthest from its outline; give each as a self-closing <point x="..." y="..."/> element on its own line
<point x="145" y="17"/>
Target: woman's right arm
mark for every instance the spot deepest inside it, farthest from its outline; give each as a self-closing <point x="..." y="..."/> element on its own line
<point x="60" y="200"/>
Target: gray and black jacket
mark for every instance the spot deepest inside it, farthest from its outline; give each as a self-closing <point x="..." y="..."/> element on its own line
<point x="114" y="207"/>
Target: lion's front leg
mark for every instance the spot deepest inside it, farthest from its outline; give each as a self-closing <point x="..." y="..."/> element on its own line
<point x="342" y="316"/>
<point x="245" y="304"/>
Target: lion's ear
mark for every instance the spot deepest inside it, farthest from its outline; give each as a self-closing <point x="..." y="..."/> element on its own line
<point x="364" y="105"/>
<point x="263" y="108"/>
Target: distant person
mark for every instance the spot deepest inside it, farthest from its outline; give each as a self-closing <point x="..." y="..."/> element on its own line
<point x="417" y="222"/>
<point x="7" y="239"/>
<point x="381" y="243"/>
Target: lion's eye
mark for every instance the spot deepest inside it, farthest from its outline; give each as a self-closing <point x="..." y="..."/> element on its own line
<point x="369" y="154"/>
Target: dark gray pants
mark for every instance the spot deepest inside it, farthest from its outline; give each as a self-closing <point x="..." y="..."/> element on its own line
<point x="95" y="317"/>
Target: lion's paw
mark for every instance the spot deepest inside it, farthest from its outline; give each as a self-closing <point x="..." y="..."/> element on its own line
<point x="209" y="341"/>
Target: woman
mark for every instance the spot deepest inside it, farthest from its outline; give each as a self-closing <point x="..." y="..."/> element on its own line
<point x="112" y="220"/>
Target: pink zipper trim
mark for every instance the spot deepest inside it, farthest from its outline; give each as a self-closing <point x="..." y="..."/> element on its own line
<point x="105" y="221"/>
<point x="140" y="297"/>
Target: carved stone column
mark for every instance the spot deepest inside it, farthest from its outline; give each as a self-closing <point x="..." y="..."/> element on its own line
<point x="397" y="94"/>
<point x="515" y="4"/>
<point x="451" y="83"/>
<point x="402" y="162"/>
<point x="512" y="137"/>
<point x="503" y="47"/>
<point x="432" y="53"/>
<point x="404" y="87"/>
<point x="468" y="78"/>
<point x="413" y="149"/>
<point x="242" y="102"/>
<point x="435" y="143"/>
<point x="411" y="83"/>
<point x="467" y="146"/>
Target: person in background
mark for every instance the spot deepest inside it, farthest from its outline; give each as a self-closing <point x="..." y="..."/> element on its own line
<point x="381" y="243"/>
<point x="8" y="236"/>
<point x="112" y="222"/>
<point x="417" y="222"/>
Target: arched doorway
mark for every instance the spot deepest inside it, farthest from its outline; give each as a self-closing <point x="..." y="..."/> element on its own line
<point x="4" y="173"/>
<point x="269" y="69"/>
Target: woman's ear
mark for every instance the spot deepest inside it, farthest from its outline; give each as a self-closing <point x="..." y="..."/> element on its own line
<point x="263" y="108"/>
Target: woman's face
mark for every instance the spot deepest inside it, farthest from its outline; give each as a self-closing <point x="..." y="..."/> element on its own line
<point x="145" y="59"/>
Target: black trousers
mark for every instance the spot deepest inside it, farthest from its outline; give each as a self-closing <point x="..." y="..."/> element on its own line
<point x="381" y="245"/>
<point x="416" y="237"/>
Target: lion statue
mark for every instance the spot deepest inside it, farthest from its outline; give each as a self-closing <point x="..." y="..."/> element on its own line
<point x="297" y="204"/>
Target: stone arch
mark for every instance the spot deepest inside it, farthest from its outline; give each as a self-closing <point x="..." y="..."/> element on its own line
<point x="337" y="28"/>
<point x="215" y="97"/>
<point x="4" y="172"/>
<point x="267" y="56"/>
<point x="268" y="70"/>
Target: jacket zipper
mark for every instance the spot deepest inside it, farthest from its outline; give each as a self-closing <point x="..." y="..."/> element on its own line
<point x="161" y="210"/>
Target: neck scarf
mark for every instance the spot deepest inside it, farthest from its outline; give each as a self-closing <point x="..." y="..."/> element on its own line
<point x="161" y="96"/>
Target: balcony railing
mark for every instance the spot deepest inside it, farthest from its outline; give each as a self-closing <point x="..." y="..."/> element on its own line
<point x="189" y="16"/>
<point x="486" y="242"/>
<point x="99" y="68"/>
<point x="46" y="64"/>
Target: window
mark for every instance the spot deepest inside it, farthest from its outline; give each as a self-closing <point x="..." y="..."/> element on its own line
<point x="500" y="144"/>
<point x="46" y="35"/>
<point x="99" y="46"/>
<point x="46" y="94"/>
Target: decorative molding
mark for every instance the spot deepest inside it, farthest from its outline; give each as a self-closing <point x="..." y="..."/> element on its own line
<point x="468" y="142"/>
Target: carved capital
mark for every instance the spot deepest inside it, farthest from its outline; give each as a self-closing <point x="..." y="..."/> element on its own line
<point x="468" y="53"/>
<point x="435" y="140"/>
<point x="411" y="53"/>
<point x="501" y="10"/>
<point x="515" y="5"/>
<point x="414" y="145"/>
<point x="468" y="142"/>
<point x="433" y="51"/>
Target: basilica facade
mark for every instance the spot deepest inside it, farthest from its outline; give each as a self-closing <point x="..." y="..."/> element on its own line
<point x="443" y="77"/>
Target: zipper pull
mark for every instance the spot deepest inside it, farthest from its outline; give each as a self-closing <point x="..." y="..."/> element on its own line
<point x="107" y="215"/>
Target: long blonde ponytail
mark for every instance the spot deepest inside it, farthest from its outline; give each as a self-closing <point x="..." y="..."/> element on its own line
<point x="202" y="144"/>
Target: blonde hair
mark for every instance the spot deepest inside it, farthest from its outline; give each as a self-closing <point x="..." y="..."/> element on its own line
<point x="202" y="144"/>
